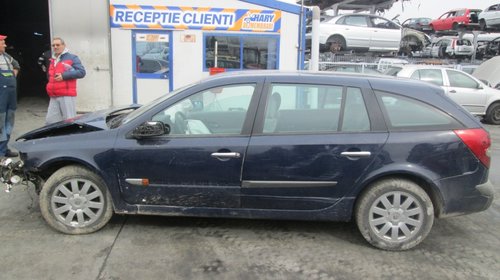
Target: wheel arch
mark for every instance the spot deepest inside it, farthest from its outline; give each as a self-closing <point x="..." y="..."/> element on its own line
<point x="48" y="168"/>
<point x="329" y="40"/>
<point x="489" y="108"/>
<point x="426" y="184"/>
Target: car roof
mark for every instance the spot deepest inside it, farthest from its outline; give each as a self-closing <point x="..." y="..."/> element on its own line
<point x="382" y="82"/>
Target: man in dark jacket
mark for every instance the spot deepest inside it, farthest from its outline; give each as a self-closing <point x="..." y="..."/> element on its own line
<point x="9" y="68"/>
<point x="64" y="69"/>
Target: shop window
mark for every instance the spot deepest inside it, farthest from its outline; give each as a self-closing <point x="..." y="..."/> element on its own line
<point x="241" y="52"/>
<point x="152" y="55"/>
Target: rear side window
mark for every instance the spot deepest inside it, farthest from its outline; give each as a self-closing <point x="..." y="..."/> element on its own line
<point x="410" y="114"/>
<point x="292" y="108"/>
<point x="356" y="21"/>
<point x="434" y="76"/>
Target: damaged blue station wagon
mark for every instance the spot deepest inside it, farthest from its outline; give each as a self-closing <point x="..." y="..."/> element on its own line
<point x="390" y="154"/>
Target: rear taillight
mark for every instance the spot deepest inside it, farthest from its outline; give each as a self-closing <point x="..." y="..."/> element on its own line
<point x="478" y="141"/>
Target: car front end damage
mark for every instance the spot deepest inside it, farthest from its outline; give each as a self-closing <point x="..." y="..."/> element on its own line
<point x="13" y="173"/>
<point x="39" y="143"/>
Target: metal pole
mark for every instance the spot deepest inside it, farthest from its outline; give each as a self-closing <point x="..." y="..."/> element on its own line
<point x="301" y="28"/>
<point x="216" y="53"/>
<point x="314" y="65"/>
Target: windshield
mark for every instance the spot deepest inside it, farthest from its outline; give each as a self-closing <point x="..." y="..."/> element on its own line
<point x="151" y="104"/>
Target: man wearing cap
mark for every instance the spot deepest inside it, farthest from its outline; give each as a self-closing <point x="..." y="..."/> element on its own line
<point x="9" y="68"/>
<point x="64" y="69"/>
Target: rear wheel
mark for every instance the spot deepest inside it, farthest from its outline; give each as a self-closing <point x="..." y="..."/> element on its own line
<point x="454" y="26"/>
<point x="336" y="43"/>
<point x="394" y="214"/>
<point x="493" y="114"/>
<point x="74" y="200"/>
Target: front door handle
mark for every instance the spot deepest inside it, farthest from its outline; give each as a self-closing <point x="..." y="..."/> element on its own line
<point x="356" y="154"/>
<point x="226" y="155"/>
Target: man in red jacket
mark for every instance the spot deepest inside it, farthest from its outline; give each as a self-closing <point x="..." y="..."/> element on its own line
<point x="64" y="69"/>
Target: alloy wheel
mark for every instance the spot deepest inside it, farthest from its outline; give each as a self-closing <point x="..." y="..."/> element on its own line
<point x="77" y="202"/>
<point x="396" y="216"/>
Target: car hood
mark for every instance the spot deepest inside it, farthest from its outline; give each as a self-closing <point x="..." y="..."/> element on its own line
<point x="93" y="121"/>
<point x="489" y="71"/>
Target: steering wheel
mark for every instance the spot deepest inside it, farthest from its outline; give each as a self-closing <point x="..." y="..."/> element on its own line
<point x="180" y="123"/>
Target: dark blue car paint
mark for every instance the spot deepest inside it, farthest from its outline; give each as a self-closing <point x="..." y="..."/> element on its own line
<point x="438" y="159"/>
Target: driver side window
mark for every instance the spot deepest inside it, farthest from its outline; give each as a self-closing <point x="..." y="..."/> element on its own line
<point x="458" y="79"/>
<point x="216" y="111"/>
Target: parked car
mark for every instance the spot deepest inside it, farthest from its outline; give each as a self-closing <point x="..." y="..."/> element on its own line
<point x="490" y="17"/>
<point x="452" y="47"/>
<point x="152" y="66"/>
<point x="420" y="24"/>
<point x="455" y="19"/>
<point x="466" y="90"/>
<point x="488" y="49"/>
<point x="261" y="144"/>
<point x="360" y="32"/>
<point x="350" y="67"/>
<point x="157" y="53"/>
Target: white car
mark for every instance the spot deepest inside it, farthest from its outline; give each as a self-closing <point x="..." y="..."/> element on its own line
<point x="452" y="47"/>
<point x="490" y="17"/>
<point x="466" y="90"/>
<point x="361" y="32"/>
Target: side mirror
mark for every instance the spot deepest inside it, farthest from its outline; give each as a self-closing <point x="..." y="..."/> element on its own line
<point x="150" y="129"/>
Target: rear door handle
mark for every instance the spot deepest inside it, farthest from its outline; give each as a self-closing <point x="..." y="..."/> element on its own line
<point x="356" y="154"/>
<point x="226" y="155"/>
<point x="453" y="91"/>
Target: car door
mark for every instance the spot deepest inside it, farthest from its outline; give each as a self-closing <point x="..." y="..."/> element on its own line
<point x="447" y="22"/>
<point x="494" y="15"/>
<point x="198" y="164"/>
<point x="355" y="30"/>
<point x="466" y="91"/>
<point x="312" y="142"/>
<point x="385" y="35"/>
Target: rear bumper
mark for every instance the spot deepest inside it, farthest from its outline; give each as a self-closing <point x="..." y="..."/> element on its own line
<point x="461" y="203"/>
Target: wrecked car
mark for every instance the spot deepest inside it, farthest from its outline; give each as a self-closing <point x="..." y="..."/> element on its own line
<point x="267" y="145"/>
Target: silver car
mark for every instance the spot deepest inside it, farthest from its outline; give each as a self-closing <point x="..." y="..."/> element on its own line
<point x="466" y="90"/>
<point x="490" y="17"/>
<point x="452" y="47"/>
<point x="359" y="32"/>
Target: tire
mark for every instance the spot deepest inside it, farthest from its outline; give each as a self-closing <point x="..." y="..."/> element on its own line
<point x="432" y="31"/>
<point x="442" y="53"/>
<point x="493" y="114"/>
<point x="74" y="200"/>
<point x="389" y="225"/>
<point x="454" y="26"/>
<point x="482" y="25"/>
<point x="336" y="41"/>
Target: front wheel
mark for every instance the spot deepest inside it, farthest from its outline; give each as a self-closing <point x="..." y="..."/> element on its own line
<point x="493" y="114"/>
<point x="394" y="214"/>
<point x="74" y="200"/>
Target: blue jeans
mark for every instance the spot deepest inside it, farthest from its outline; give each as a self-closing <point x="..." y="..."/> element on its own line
<point x="8" y="106"/>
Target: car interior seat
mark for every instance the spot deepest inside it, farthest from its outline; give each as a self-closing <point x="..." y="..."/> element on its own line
<point x="272" y="112"/>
